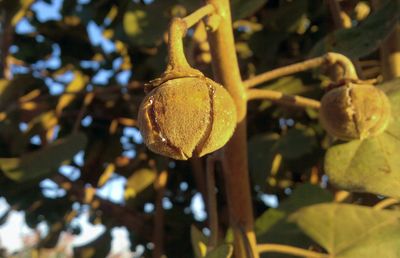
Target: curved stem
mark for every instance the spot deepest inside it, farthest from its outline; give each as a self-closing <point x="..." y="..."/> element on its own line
<point x="279" y="97"/>
<point x="343" y="21"/>
<point x="177" y="30"/>
<point x="199" y="14"/>
<point x="176" y="53"/>
<point x="264" y="248"/>
<point x="327" y="59"/>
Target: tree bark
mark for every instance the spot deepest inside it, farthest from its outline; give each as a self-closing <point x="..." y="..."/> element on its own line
<point x="236" y="176"/>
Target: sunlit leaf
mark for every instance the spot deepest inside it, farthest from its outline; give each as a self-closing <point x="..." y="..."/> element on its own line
<point x="272" y="226"/>
<point x="349" y="231"/>
<point x="145" y="25"/>
<point x="263" y="148"/>
<point x="139" y="181"/>
<point x="43" y="162"/>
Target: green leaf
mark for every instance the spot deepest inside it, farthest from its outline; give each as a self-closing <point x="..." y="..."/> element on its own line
<point x="145" y="24"/>
<point x="272" y="226"/>
<point x="199" y="242"/>
<point x="41" y="163"/>
<point x="349" y="231"/>
<point x="296" y="143"/>
<point x="370" y="165"/>
<point x="244" y="8"/>
<point x="29" y="54"/>
<point x="73" y="39"/>
<point x="303" y="195"/>
<point x="362" y="40"/>
<point x="12" y="90"/>
<point x="139" y="181"/>
<point x="263" y="148"/>
<point x="222" y="251"/>
<point x="287" y="17"/>
<point x="267" y="220"/>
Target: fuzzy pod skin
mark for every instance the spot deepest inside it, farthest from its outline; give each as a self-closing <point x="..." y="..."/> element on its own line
<point x="355" y="111"/>
<point x="186" y="117"/>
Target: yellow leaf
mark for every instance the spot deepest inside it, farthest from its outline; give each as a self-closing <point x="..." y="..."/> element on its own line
<point x="139" y="181"/>
<point x="113" y="126"/>
<point x="89" y="194"/>
<point x="72" y="20"/>
<point x="75" y="86"/>
<point x="108" y="34"/>
<point x="31" y="95"/>
<point x="127" y="121"/>
<point x="106" y="174"/>
<point x="112" y="13"/>
<point x="28" y="106"/>
<point x="2" y="116"/>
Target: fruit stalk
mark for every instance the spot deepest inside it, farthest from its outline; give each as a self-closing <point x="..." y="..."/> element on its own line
<point x="280" y="98"/>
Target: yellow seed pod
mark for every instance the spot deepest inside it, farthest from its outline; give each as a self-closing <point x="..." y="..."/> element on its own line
<point x="185" y="117"/>
<point x="185" y="114"/>
<point x="355" y="111"/>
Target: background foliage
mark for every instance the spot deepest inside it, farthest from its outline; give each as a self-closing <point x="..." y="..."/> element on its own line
<point x="63" y="93"/>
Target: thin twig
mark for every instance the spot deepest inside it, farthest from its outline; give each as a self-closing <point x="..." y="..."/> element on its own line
<point x="386" y="203"/>
<point x="327" y="59"/>
<point x="158" y="232"/>
<point x="264" y="248"/>
<point x="212" y="203"/>
<point x="198" y="15"/>
<point x="280" y="98"/>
